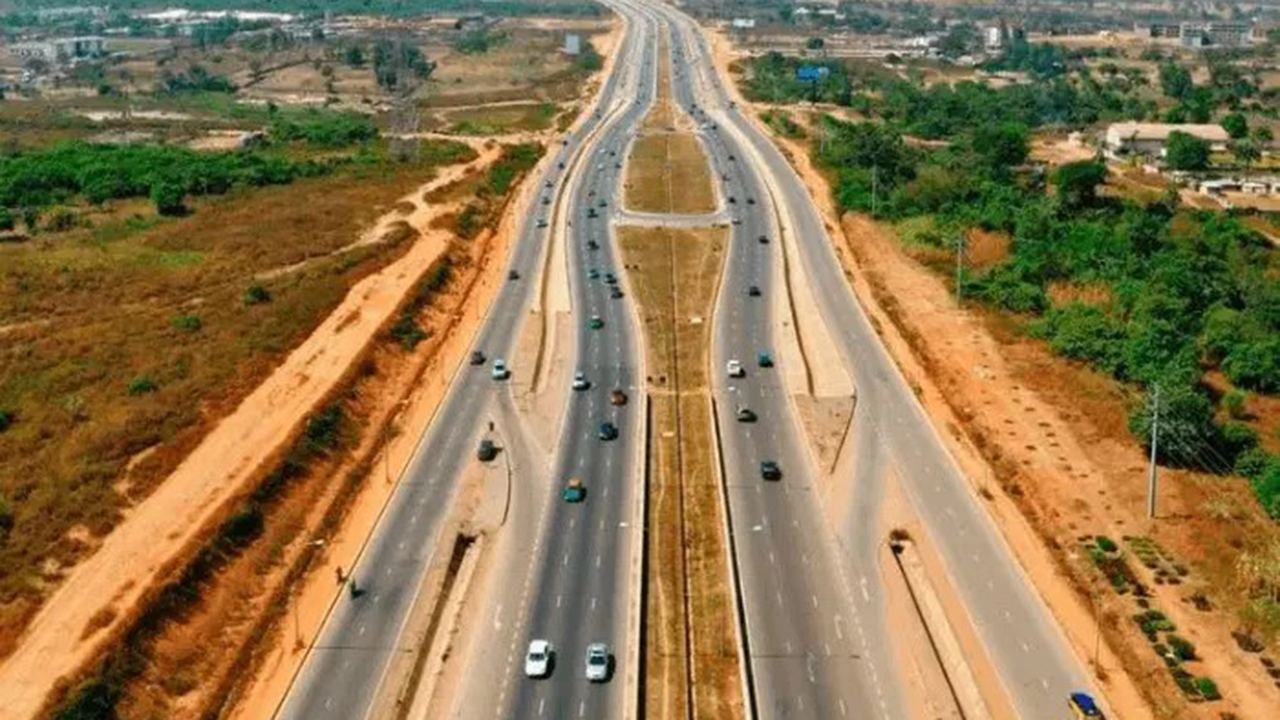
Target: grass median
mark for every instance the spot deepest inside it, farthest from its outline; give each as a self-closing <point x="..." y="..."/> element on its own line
<point x="691" y="656"/>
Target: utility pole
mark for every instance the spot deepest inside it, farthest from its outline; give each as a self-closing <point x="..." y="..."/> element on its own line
<point x="1155" y="438"/>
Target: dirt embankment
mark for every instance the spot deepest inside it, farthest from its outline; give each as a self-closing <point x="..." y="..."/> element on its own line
<point x="692" y="656"/>
<point x="102" y="596"/>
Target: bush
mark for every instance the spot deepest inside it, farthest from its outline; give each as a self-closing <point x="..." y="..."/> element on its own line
<point x="167" y="196"/>
<point x="1208" y="689"/>
<point x="1181" y="648"/>
<point x="6" y="219"/>
<point x="256" y="295"/>
<point x="6" y="516"/>
<point x="142" y="385"/>
<point x="187" y="323"/>
<point x="1106" y="544"/>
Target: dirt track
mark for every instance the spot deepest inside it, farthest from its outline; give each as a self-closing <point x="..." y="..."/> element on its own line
<point x="162" y="529"/>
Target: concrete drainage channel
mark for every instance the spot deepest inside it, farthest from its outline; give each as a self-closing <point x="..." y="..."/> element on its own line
<point x="464" y="554"/>
<point x="942" y="639"/>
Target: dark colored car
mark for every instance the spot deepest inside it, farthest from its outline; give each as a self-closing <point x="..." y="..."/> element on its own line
<point x="764" y="359"/>
<point x="615" y="292"/>
<point x="487" y="450"/>
<point x="746" y="414"/>
<point x="477" y="357"/>
<point x="769" y="470"/>
<point x="608" y="431"/>
<point x="753" y="291"/>
<point x="764" y="239"/>
<point x="513" y="275"/>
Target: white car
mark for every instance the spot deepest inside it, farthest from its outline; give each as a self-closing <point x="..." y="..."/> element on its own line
<point x="735" y="369"/>
<point x="499" y="371"/>
<point x="537" y="662"/>
<point x="580" y="381"/>
<point x="597" y="662"/>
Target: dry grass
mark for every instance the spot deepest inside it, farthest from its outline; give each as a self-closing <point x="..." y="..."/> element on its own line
<point x="101" y="308"/>
<point x="668" y="173"/>
<point x="675" y="274"/>
<point x="499" y="119"/>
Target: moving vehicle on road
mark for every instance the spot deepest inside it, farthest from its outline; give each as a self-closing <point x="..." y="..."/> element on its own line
<point x="617" y="397"/>
<point x="500" y="370"/>
<point x="477" y="357"/>
<point x="542" y="222"/>
<point x="1083" y="707"/>
<point x="580" y="381"/>
<point x="610" y="278"/>
<point x="597" y="662"/>
<point x="487" y="450"/>
<point x="513" y="275"/>
<point x="593" y="274"/>
<point x="615" y="292"/>
<point x="764" y="239"/>
<point x="734" y="369"/>
<point x="595" y="323"/>
<point x="746" y="414"/>
<point x="764" y="359"/>
<point x="574" y="491"/>
<point x="537" y="661"/>
<point x="608" y="431"/>
<point x="769" y="470"/>
<point x="753" y="291"/>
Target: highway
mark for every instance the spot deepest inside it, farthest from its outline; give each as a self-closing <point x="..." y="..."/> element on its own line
<point x="342" y="677"/>
<point x="817" y="636"/>
<point x="891" y="429"/>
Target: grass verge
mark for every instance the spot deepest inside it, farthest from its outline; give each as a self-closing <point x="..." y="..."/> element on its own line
<point x="690" y="625"/>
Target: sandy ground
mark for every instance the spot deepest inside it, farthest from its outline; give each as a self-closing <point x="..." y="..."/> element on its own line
<point x="164" y="527"/>
<point x="317" y="592"/>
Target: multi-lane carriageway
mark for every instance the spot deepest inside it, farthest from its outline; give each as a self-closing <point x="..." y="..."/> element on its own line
<point x="817" y="640"/>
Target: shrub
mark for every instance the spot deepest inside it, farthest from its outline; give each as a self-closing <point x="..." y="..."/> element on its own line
<point x="1106" y="544"/>
<point x="6" y="219"/>
<point x="1182" y="648"/>
<point x="1208" y="689"/>
<point x="142" y="385"/>
<point x="167" y="196"/>
<point x="6" y="516"/>
<point x="256" y="295"/>
<point x="187" y="323"/>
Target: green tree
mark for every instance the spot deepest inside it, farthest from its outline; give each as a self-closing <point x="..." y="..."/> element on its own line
<point x="354" y="56"/>
<point x="1186" y="152"/>
<point x="814" y="43"/>
<point x="1002" y="146"/>
<point x="1175" y="80"/>
<point x="6" y="219"/>
<point x="1246" y="152"/>
<point x="1077" y="183"/>
<point x="1236" y="125"/>
<point x="167" y="196"/>
<point x="1187" y="431"/>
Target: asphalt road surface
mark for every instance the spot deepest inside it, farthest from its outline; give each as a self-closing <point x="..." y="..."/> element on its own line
<point x="343" y="674"/>
<point x="891" y="429"/>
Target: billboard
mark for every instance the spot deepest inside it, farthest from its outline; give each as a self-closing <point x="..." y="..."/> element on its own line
<point x="811" y="73"/>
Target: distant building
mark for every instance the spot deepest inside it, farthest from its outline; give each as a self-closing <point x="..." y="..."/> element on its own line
<point x="992" y="37"/>
<point x="1158" y="30"/>
<point x="743" y="23"/>
<point x="59" y="50"/>
<point x="572" y="44"/>
<point x="1131" y="138"/>
<point x="1216" y="34"/>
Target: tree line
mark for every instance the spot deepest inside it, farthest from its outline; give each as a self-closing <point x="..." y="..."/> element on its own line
<point x="1175" y="293"/>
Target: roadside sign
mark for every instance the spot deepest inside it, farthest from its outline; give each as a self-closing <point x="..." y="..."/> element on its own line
<point x="811" y="73"/>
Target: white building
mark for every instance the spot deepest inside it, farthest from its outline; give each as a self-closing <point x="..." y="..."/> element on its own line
<point x="57" y="50"/>
<point x="1150" y="138"/>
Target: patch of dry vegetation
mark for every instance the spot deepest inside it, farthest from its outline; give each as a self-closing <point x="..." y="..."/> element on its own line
<point x="675" y="274"/>
<point x="126" y="341"/>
